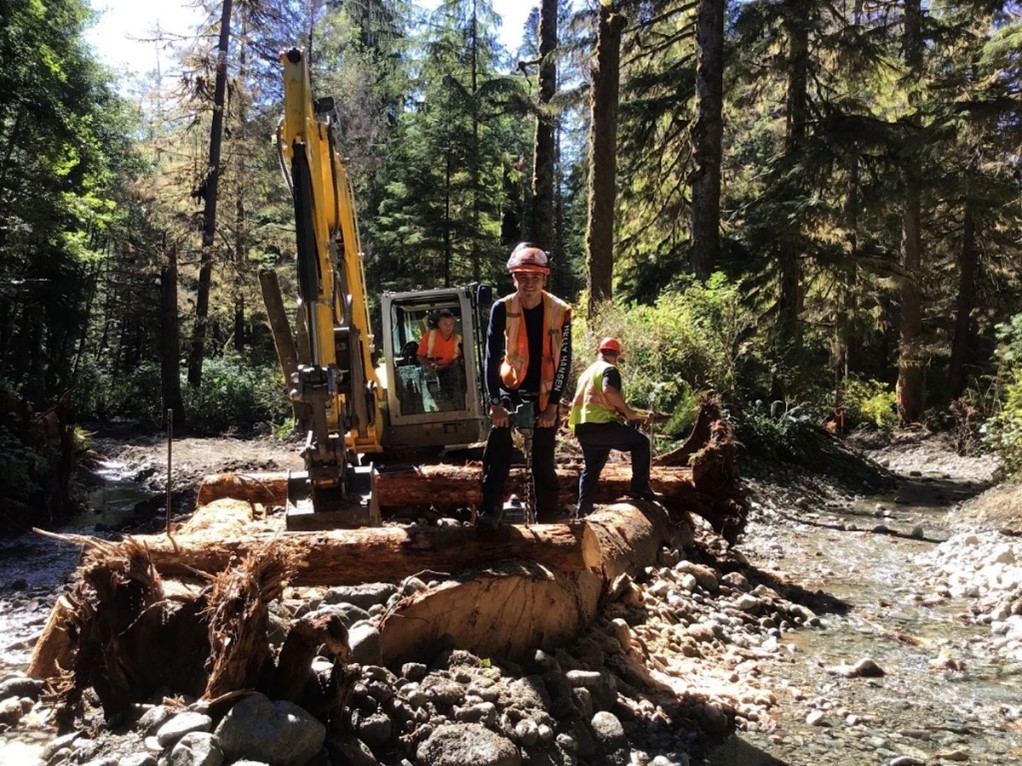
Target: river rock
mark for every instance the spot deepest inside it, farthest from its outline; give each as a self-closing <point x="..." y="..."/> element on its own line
<point x="196" y="748"/>
<point x="467" y="745"/>
<point x="277" y="732"/>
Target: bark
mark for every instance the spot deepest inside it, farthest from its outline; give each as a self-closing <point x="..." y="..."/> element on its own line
<point x="965" y="302"/>
<point x="116" y="630"/>
<point x="846" y="353"/>
<point x="544" y="149"/>
<point x="128" y="633"/>
<point x="911" y="399"/>
<point x="789" y="245"/>
<point x="444" y="488"/>
<point x="603" y="159"/>
<point x="210" y="193"/>
<point x="239" y="618"/>
<point x="283" y="340"/>
<point x="127" y="638"/>
<point x="213" y="539"/>
<point x="549" y="607"/>
<point x="707" y="138"/>
<point x="700" y="477"/>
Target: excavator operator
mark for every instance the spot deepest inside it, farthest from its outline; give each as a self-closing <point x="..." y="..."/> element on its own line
<point x="440" y="356"/>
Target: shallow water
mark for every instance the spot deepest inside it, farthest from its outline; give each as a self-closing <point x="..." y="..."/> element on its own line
<point x="945" y="694"/>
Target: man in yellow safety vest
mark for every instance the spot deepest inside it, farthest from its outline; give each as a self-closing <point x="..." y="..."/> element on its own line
<point x="528" y="356"/>
<point x="596" y="418"/>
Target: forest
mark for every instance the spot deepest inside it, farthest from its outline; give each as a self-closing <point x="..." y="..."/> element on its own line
<point x="810" y="209"/>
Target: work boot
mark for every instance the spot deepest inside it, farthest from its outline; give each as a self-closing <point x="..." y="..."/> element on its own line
<point x="646" y="494"/>
<point x="488" y="520"/>
<point x="580" y="513"/>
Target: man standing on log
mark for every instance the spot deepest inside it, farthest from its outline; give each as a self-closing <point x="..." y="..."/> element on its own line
<point x="596" y="414"/>
<point x="528" y="355"/>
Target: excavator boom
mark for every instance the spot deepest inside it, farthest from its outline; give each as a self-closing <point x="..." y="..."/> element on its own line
<point x="349" y="408"/>
<point x="335" y="384"/>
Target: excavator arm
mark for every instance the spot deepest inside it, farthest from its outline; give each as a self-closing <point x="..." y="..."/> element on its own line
<point x="335" y="384"/>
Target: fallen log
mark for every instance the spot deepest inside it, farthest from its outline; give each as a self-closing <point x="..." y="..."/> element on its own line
<point x="508" y="610"/>
<point x="370" y="554"/>
<point x="445" y="487"/>
<point x="501" y="612"/>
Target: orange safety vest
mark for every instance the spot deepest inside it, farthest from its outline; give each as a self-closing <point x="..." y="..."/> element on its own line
<point x="590" y="404"/>
<point x="436" y="349"/>
<point x="516" y="347"/>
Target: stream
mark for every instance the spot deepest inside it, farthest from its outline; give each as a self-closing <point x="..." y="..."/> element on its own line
<point x="950" y="689"/>
<point x="950" y="685"/>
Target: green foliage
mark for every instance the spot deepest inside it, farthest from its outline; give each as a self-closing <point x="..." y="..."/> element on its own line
<point x="63" y="134"/>
<point x="1003" y="432"/>
<point x="775" y="431"/>
<point x="870" y="401"/>
<point x="691" y="340"/>
<point x="20" y="468"/>
<point x="135" y="396"/>
<point x="233" y="397"/>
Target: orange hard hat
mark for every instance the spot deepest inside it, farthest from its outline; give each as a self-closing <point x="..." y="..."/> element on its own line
<point x="528" y="257"/>
<point x="610" y="344"/>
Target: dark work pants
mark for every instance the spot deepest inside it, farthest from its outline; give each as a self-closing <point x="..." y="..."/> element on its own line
<point x="497" y="465"/>
<point x="597" y="440"/>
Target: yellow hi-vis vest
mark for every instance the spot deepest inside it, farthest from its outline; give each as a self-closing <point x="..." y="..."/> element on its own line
<point x="590" y="405"/>
<point x="516" y="346"/>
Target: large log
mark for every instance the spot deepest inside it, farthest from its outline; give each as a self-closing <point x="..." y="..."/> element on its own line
<point x="371" y="554"/>
<point x="510" y="609"/>
<point x="447" y="487"/>
<point x="501" y="612"/>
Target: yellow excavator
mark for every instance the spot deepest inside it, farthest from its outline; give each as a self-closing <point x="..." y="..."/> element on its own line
<point x="353" y="410"/>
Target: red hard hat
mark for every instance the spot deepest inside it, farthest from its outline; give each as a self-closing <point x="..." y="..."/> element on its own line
<point x="527" y="257"/>
<point x="610" y="344"/>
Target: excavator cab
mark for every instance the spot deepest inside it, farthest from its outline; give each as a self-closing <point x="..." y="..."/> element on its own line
<point x="428" y="410"/>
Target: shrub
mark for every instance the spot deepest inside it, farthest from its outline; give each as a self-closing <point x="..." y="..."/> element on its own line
<point x="691" y="340"/>
<point x="774" y="430"/>
<point x="1003" y="431"/>
<point x="235" y="396"/>
<point x="136" y="395"/>
<point x="870" y="401"/>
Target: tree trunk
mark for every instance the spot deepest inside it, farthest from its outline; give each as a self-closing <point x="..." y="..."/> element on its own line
<point x="846" y="339"/>
<point x="210" y="189"/>
<point x="283" y="340"/>
<point x="965" y="302"/>
<point x="225" y="530"/>
<point x="544" y="147"/>
<point x="788" y="336"/>
<point x="170" y="337"/>
<point x="707" y="137"/>
<point x="444" y="488"/>
<point x="603" y="158"/>
<point x="911" y="397"/>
